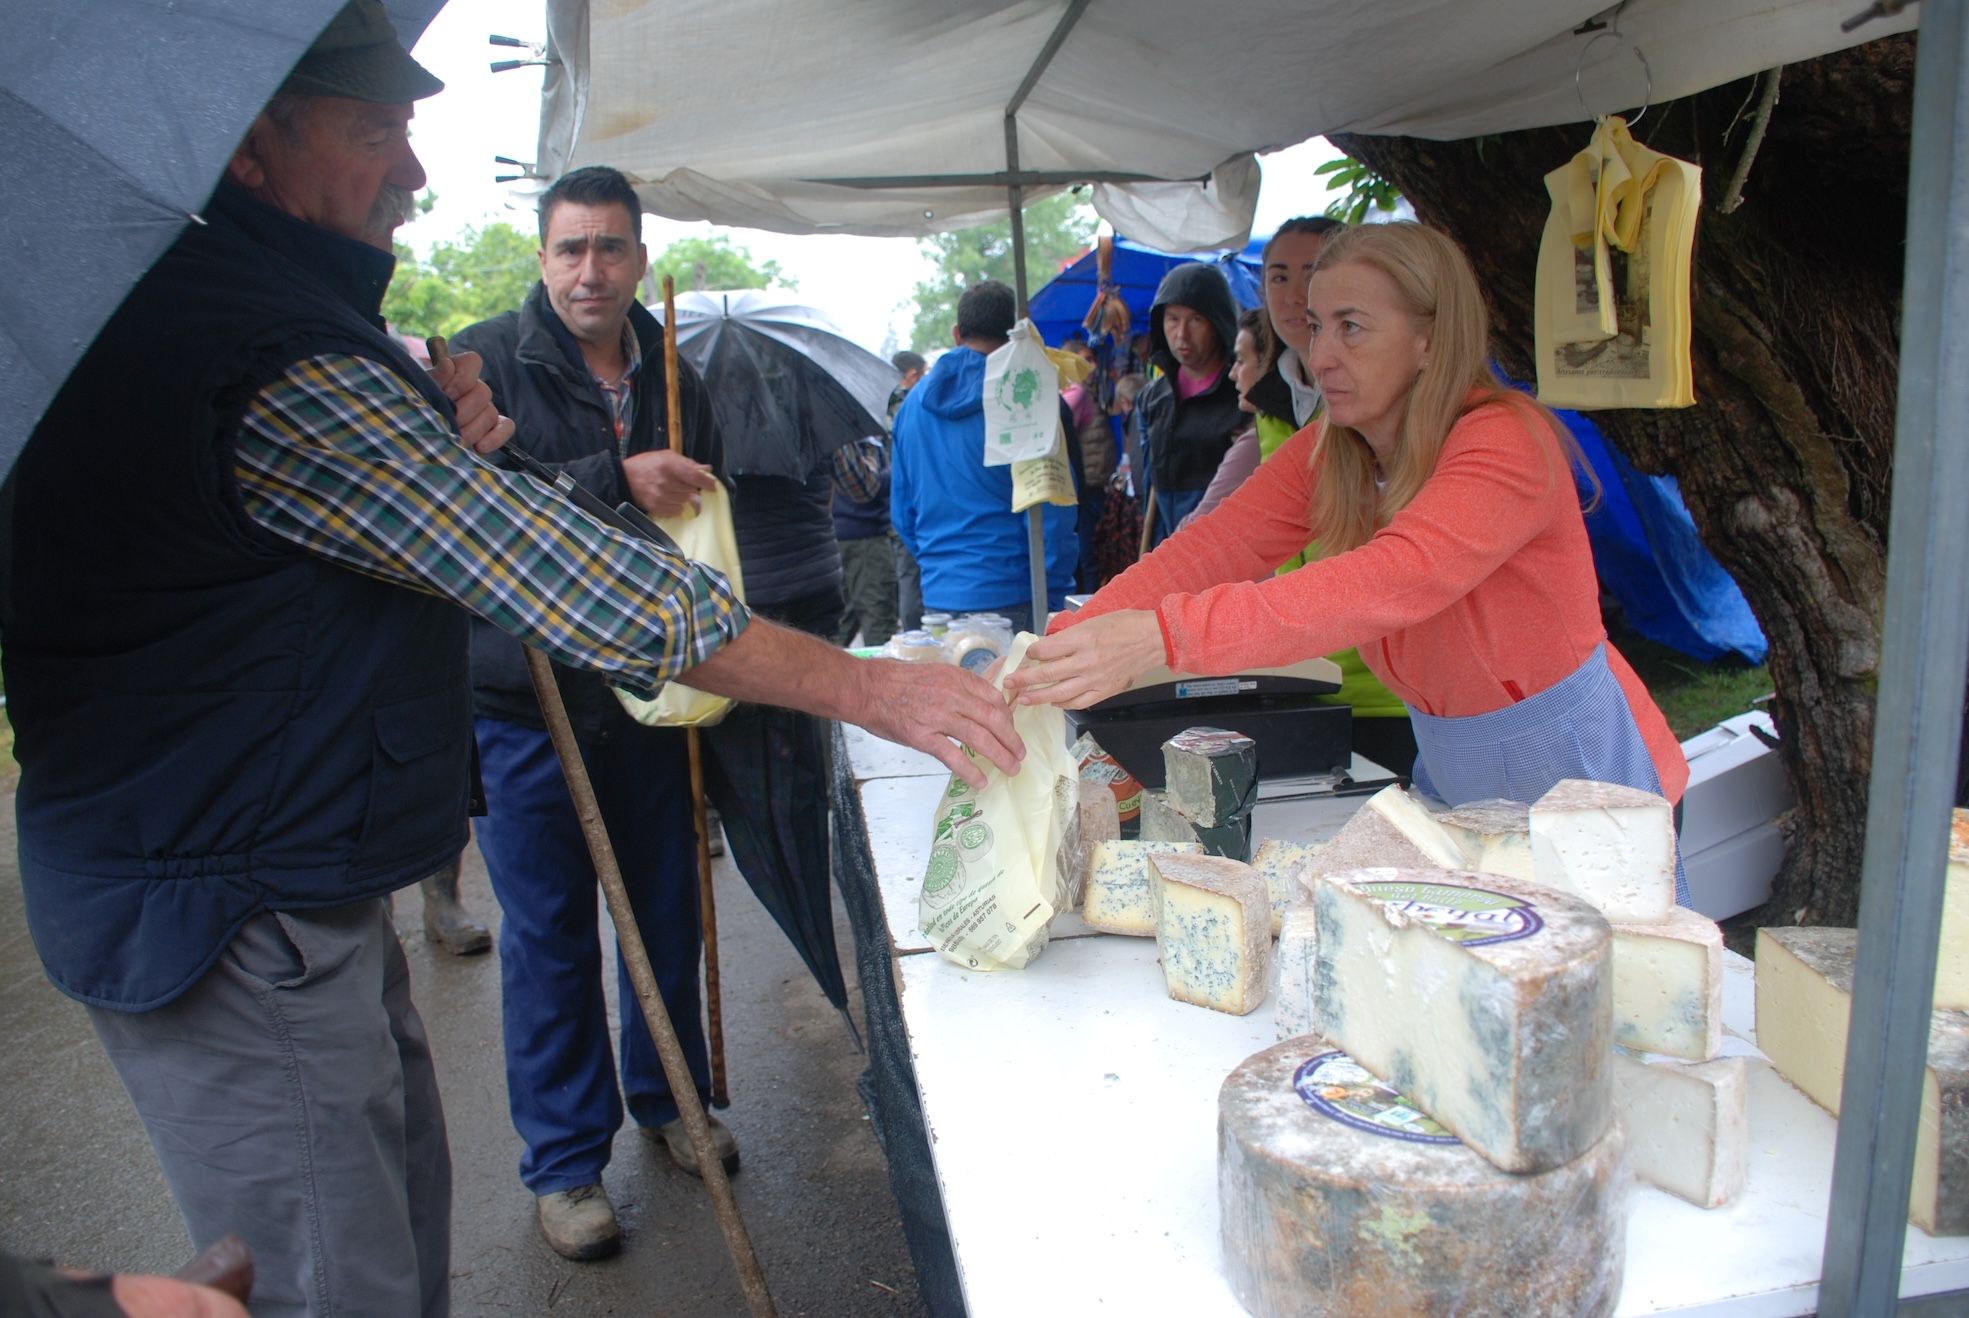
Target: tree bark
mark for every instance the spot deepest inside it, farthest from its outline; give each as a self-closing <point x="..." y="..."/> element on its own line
<point x="1785" y="461"/>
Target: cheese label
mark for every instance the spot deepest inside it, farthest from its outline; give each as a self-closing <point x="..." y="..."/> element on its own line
<point x="1335" y="1085"/>
<point x="1476" y="917"/>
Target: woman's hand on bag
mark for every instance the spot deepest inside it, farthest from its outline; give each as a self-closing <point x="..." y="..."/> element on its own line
<point x="924" y="705"/>
<point x="1085" y="663"/>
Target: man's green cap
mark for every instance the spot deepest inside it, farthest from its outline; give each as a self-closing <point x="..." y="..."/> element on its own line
<point x="359" y="57"/>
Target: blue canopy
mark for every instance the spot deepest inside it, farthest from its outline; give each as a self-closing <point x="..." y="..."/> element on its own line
<point x="1058" y="309"/>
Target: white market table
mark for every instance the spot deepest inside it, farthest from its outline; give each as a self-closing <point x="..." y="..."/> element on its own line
<point x="1071" y="1114"/>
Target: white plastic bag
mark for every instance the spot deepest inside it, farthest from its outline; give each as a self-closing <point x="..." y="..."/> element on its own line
<point x="993" y="882"/>
<point x="706" y="537"/>
<point x="1021" y="399"/>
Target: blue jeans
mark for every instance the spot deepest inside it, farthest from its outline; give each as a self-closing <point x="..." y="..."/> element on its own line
<point x="560" y="1083"/>
<point x="1171" y="507"/>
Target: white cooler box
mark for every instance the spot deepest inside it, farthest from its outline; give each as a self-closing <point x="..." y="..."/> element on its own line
<point x="1730" y="844"/>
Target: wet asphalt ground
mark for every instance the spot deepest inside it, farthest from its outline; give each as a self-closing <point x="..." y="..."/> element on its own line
<point x="78" y="1181"/>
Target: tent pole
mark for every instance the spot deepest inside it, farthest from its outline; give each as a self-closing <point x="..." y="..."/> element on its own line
<point x="1014" y="203"/>
<point x="1918" y="720"/>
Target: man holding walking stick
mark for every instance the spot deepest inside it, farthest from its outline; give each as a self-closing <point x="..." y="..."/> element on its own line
<point x="241" y="698"/>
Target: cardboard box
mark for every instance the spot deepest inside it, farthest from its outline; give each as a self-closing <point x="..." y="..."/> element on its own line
<point x="1735" y="783"/>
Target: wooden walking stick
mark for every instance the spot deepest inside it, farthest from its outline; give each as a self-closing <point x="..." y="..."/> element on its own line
<point x="629" y="940"/>
<point x="706" y="903"/>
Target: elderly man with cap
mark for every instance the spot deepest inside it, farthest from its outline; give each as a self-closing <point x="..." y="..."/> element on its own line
<point x="240" y="691"/>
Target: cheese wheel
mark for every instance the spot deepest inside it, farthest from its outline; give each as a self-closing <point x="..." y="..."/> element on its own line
<point x="1487" y="1001"/>
<point x="1338" y="1197"/>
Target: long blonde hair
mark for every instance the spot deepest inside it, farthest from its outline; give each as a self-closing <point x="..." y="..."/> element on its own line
<point x="1437" y="288"/>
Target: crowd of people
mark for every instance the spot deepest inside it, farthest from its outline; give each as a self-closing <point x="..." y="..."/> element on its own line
<point x="265" y="688"/>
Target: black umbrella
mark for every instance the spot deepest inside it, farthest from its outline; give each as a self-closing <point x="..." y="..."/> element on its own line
<point x="116" y="121"/>
<point x="786" y="387"/>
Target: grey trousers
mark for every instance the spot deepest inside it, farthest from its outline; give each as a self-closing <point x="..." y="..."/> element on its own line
<point x="290" y="1096"/>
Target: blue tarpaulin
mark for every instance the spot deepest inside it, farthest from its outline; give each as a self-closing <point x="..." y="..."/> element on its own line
<point x="1649" y="558"/>
<point x="1058" y="309"/>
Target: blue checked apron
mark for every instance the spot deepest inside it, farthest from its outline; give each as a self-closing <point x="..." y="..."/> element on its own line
<point x="1580" y="727"/>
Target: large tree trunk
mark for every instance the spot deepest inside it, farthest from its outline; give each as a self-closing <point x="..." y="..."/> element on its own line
<point x="1785" y="459"/>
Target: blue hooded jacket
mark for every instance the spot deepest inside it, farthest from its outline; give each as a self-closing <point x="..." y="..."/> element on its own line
<point x="955" y="513"/>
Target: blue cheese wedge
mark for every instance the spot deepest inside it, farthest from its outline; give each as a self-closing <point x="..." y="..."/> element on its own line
<point x="1494" y="836"/>
<point x="1688" y="1124"/>
<point x="1668" y="986"/>
<point x="1294" y="958"/>
<point x="1210" y="774"/>
<point x="1091" y="818"/>
<point x="1283" y="865"/>
<point x="1119" y="894"/>
<point x="1339" y="1197"/>
<point x="1612" y="845"/>
<point x="1487" y="1001"/>
<point x="1213" y="931"/>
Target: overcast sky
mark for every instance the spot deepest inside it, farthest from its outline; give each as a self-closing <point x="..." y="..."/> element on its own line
<point x="863" y="284"/>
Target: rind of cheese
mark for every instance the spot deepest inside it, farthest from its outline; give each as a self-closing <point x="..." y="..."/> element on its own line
<point x="1119" y="895"/>
<point x="1324" y="1218"/>
<point x="1804" y="1006"/>
<point x="1091" y="819"/>
<point x="1688" y="1127"/>
<point x="1213" y="931"/>
<point x="1391" y="829"/>
<point x="1612" y="845"/>
<point x="1282" y="864"/>
<point x="1294" y="957"/>
<point x="1506" y="1042"/>
<point x="1210" y="774"/>
<point x="1952" y="963"/>
<point x="1668" y="986"/>
<point x="1495" y="837"/>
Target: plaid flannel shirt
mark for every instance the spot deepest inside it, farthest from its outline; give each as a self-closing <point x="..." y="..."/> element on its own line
<point x="343" y="458"/>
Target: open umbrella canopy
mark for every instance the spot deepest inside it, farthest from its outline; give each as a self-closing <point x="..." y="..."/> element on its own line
<point x="1059" y="307"/>
<point x="116" y="120"/>
<point x="787" y="388"/>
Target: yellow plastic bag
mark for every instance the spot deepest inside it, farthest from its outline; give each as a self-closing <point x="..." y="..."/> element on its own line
<point x="706" y="537"/>
<point x="994" y="880"/>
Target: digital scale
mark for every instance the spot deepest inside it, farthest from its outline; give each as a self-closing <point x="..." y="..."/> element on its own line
<point x="1278" y="708"/>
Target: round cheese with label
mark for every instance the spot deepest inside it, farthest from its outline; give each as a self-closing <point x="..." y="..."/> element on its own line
<point x="1338" y="1196"/>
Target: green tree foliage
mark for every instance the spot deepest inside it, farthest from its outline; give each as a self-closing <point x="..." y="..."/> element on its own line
<point x="478" y="274"/>
<point x="1056" y="230"/>
<point x="1365" y="190"/>
<point x="713" y="265"/>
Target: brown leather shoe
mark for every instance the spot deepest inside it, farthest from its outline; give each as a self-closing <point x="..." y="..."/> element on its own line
<point x="678" y="1140"/>
<point x="580" y="1223"/>
<point x="446" y="921"/>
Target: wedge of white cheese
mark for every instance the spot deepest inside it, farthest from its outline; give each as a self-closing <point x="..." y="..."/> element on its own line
<point x="1612" y="845"/>
<point x="1487" y="1001"/>
<point x="1338" y="1197"/>
<point x="1668" y="986"/>
<point x="1119" y="895"/>
<point x="1213" y="931"/>
<point x="1494" y="836"/>
<point x="1282" y="864"/>
<point x="1952" y="961"/>
<point x="1688" y="1129"/>
<point x="1091" y="819"/>
<point x="1804" y="1005"/>
<point x="1391" y="829"/>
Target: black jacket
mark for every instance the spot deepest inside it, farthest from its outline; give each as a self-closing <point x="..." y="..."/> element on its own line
<point x="539" y="379"/>
<point x="1188" y="437"/>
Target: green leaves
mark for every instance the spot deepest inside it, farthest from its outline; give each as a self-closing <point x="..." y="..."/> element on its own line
<point x="713" y="265"/>
<point x="1057" y="229"/>
<point x="1365" y="190"/>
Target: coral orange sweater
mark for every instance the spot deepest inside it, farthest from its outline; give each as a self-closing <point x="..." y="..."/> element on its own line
<point x="1478" y="594"/>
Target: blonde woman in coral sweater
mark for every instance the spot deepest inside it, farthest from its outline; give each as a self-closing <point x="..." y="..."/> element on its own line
<point x="1457" y="558"/>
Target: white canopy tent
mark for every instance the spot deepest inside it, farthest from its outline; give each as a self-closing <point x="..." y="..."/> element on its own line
<point x="889" y="118"/>
<point x="913" y="116"/>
